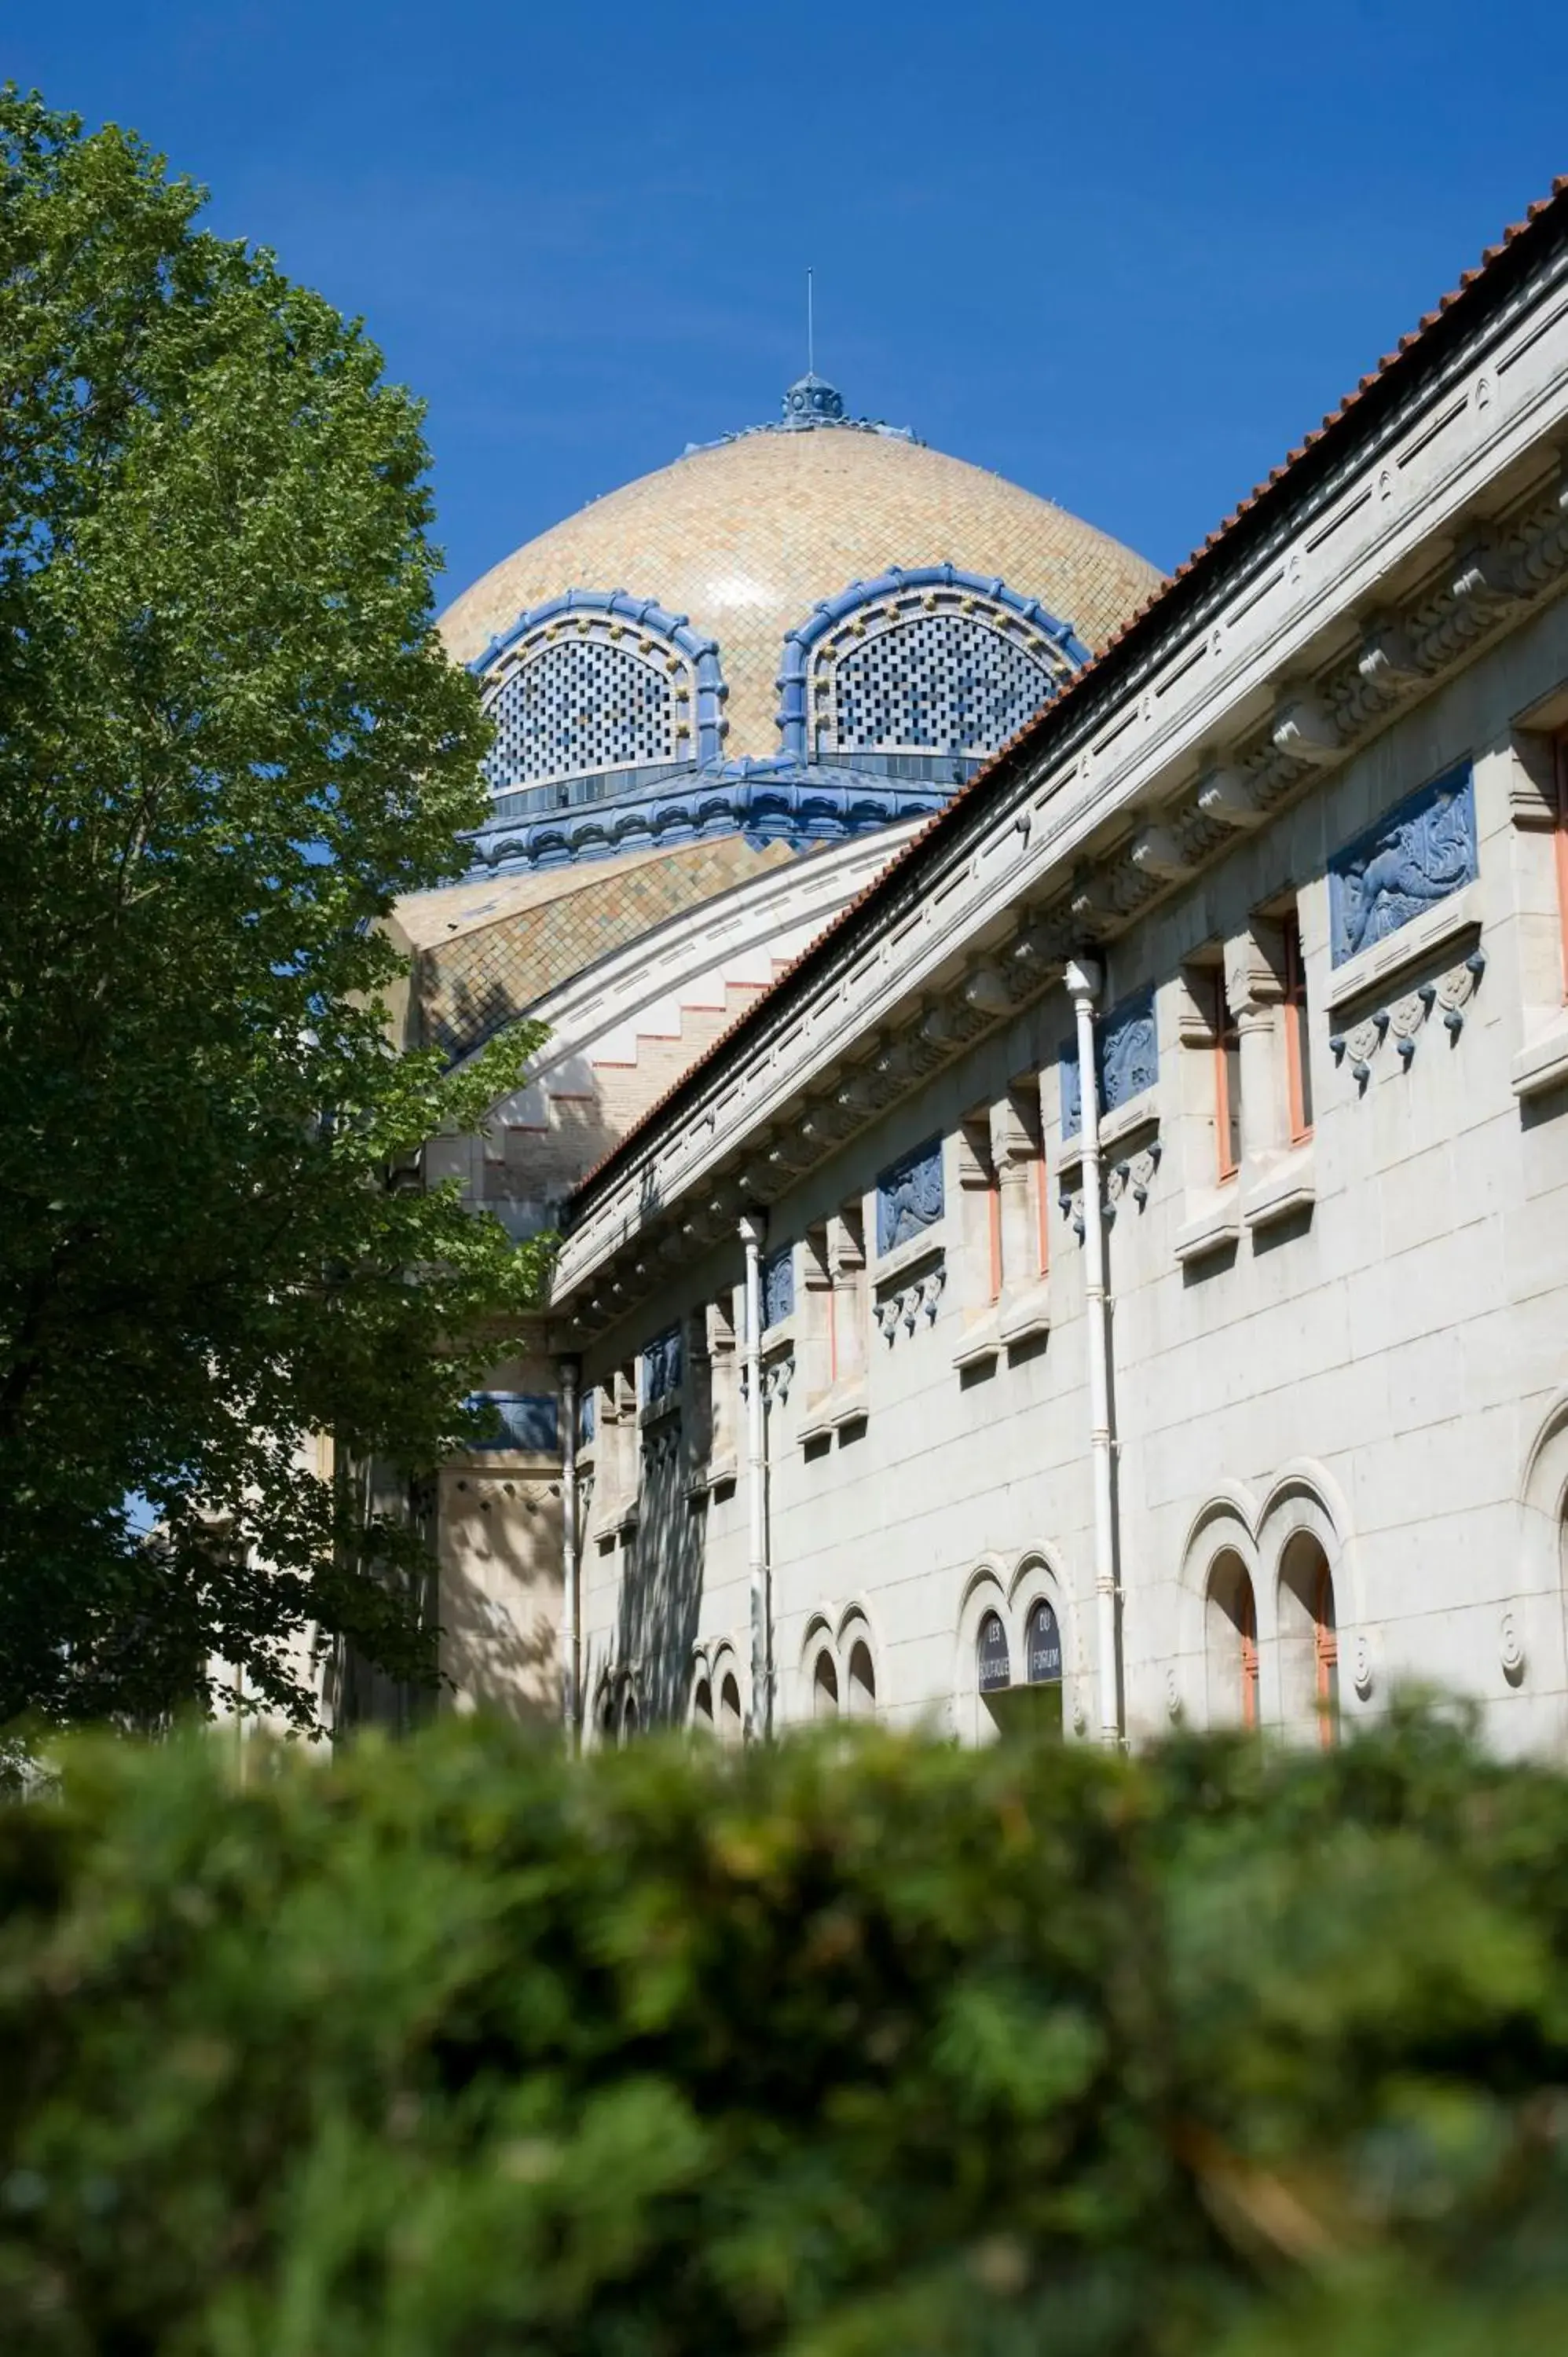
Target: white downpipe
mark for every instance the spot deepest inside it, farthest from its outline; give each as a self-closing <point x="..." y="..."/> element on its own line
<point x="571" y="1569"/>
<point x="751" y="1235"/>
<point x="1083" y="980"/>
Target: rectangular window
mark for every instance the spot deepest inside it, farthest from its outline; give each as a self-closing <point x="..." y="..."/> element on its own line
<point x="1227" y="1085"/>
<point x="1043" y="1215"/>
<point x="1298" y="1061"/>
<point x="994" y="1235"/>
<point x="1560" y="753"/>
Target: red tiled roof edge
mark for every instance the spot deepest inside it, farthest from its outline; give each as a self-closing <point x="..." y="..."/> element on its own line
<point x="1380" y="389"/>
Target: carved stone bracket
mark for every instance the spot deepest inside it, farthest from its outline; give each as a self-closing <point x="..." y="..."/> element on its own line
<point x="1134" y="1177"/>
<point x="1406" y="1019"/>
<point x="908" y="1303"/>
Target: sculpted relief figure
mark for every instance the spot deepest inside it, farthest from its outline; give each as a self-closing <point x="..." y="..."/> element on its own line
<point x="1418" y="855"/>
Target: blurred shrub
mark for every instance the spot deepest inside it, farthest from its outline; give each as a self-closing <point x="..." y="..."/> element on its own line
<point x="452" y="2047"/>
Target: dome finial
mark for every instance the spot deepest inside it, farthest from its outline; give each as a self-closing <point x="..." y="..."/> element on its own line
<point x="811" y="400"/>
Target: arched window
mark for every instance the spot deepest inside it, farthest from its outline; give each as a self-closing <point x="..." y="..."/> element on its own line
<point x="593" y="688"/>
<point x="630" y="1719"/>
<point x="918" y="670"/>
<point x="992" y="1663"/>
<point x="731" y="1725"/>
<point x="825" y="1687"/>
<point x="862" y="1681"/>
<point x="1231" y="1629"/>
<point x="702" y="1708"/>
<point x="1309" y="1640"/>
<point x="1043" y="1646"/>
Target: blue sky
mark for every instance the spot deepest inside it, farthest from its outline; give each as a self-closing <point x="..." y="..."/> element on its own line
<point x="1124" y="256"/>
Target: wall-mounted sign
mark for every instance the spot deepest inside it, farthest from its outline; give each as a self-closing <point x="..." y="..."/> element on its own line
<point x="1042" y="1648"/>
<point x="991" y="1653"/>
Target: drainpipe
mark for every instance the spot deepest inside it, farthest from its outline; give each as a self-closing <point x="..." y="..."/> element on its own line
<point x="1083" y="978"/>
<point x="752" y="1230"/>
<point x="571" y="1576"/>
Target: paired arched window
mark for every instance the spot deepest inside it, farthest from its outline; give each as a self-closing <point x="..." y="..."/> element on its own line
<point x="1041" y="1663"/>
<point x="1306" y="1642"/>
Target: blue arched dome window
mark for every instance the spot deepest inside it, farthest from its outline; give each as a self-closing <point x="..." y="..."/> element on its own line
<point x="594" y="692"/>
<point x="918" y="664"/>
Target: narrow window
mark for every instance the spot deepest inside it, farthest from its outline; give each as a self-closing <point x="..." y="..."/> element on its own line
<point x="731" y="1728"/>
<point x="993" y="1237"/>
<point x="702" y="1708"/>
<point x="825" y="1687"/>
<point x="1325" y="1654"/>
<point x="992" y="1658"/>
<point x="1043" y="1215"/>
<point x="1298" y="1061"/>
<point x="862" y="1683"/>
<point x="1226" y="1084"/>
<point x="1247" y="1628"/>
<point x="1561" y="845"/>
<point x="1309" y="1640"/>
<point x="981" y="1186"/>
<point x="1232" y="1644"/>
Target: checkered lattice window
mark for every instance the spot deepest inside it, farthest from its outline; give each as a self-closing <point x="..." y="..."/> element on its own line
<point x="576" y="703"/>
<point x="947" y="682"/>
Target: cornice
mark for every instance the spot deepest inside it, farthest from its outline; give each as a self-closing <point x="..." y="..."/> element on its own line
<point x="1401" y="558"/>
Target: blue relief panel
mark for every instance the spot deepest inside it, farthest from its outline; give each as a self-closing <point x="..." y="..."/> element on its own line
<point x="779" y="1287"/>
<point x="1416" y="854"/>
<point x="662" y="1366"/>
<point x="910" y="1197"/>
<point x="527" y="1420"/>
<point x="1071" y="1094"/>
<point x="1126" y="1055"/>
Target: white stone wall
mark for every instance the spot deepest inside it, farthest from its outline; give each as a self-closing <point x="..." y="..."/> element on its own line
<point x="1383" y="1367"/>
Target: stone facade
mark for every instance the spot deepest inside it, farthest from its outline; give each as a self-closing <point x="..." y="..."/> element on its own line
<point x="1301" y="833"/>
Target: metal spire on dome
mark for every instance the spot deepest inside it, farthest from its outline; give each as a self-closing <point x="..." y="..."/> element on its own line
<point x="811" y="400"/>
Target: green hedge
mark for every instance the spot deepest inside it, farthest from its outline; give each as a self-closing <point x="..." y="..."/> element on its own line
<point x="885" y="2048"/>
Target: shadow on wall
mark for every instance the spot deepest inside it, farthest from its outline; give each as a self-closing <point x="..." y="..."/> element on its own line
<point x="661" y="1572"/>
<point x="501" y="1595"/>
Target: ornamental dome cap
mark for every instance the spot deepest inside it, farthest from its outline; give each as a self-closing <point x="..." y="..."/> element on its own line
<point x="813" y="401"/>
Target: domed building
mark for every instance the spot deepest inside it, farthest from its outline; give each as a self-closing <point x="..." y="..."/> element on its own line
<point x="725" y="697"/>
<point x="732" y="688"/>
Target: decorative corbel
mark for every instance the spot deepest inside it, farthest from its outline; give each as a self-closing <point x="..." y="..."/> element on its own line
<point x="1305" y="728"/>
<point x="1226" y="796"/>
<point x="1158" y="855"/>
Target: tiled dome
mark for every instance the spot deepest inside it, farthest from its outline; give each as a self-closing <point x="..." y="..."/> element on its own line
<point x="745" y="536"/>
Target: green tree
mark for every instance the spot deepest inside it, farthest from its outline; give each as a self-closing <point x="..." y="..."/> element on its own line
<point x="228" y="738"/>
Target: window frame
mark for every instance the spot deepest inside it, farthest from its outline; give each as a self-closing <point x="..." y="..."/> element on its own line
<point x="1227" y="1114"/>
<point x="1298" y="1069"/>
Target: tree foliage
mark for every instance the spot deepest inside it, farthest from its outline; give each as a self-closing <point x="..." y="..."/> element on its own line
<point x="228" y="740"/>
<point x="452" y="2047"/>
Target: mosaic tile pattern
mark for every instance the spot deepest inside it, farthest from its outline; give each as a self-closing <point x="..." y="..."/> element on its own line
<point x="745" y="538"/>
<point x="473" y="981"/>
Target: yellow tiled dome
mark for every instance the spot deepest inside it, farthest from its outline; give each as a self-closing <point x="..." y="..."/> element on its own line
<point x="745" y="536"/>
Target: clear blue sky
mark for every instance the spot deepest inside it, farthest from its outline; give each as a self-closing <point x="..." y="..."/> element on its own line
<point x="1125" y="255"/>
